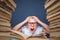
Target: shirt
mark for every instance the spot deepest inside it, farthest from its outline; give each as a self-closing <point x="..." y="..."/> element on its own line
<point x="27" y="32"/>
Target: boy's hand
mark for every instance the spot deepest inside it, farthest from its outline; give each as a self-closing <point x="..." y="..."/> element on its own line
<point x="36" y="19"/>
<point x="26" y="20"/>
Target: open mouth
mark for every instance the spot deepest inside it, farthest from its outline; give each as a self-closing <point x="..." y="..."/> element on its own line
<point x="32" y="29"/>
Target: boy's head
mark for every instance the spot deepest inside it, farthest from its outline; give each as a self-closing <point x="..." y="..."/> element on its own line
<point x="32" y="23"/>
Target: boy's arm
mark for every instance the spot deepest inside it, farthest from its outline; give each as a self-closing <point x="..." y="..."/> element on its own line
<point x="45" y="26"/>
<point x="20" y="24"/>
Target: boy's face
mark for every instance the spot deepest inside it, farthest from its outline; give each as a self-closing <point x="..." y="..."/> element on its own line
<point x="32" y="24"/>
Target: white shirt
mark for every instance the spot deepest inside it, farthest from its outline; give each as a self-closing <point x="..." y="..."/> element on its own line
<point x="27" y="32"/>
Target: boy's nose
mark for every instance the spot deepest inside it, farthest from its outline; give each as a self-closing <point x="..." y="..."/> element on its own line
<point x="32" y="24"/>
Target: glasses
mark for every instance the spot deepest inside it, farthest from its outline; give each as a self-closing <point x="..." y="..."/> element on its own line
<point x="32" y="22"/>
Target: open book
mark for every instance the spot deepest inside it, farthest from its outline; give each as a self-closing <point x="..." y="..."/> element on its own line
<point x="19" y="33"/>
<point x="24" y="36"/>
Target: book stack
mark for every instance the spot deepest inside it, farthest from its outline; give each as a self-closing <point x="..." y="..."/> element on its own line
<point x="6" y="8"/>
<point x="53" y="16"/>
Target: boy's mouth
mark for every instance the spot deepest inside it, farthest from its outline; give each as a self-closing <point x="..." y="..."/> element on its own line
<point x="32" y="29"/>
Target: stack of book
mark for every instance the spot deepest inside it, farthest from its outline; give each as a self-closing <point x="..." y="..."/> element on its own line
<point x="6" y="8"/>
<point x="53" y="16"/>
